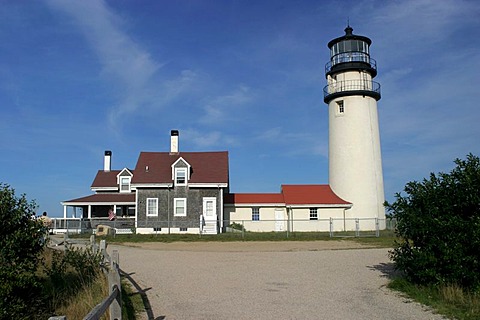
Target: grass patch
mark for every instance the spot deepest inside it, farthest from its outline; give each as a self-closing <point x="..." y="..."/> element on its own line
<point x="72" y="282"/>
<point x="79" y="305"/>
<point x="451" y="301"/>
<point x="386" y="239"/>
<point x="132" y="302"/>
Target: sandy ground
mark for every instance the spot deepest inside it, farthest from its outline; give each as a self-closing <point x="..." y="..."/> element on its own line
<point x="265" y="280"/>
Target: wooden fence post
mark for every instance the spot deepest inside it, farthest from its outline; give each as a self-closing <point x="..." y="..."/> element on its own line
<point x="65" y="239"/>
<point x="114" y="280"/>
<point x="103" y="247"/>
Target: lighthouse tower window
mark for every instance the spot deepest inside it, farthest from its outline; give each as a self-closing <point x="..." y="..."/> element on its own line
<point x="341" y="108"/>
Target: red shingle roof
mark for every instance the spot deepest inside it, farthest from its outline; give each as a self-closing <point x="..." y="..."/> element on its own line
<point x="107" y="197"/>
<point x="311" y="194"/>
<point x="105" y="179"/>
<point x="206" y="167"/>
<point x="291" y="195"/>
<point x="243" y="198"/>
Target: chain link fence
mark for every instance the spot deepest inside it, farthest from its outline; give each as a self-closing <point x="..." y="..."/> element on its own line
<point x="241" y="229"/>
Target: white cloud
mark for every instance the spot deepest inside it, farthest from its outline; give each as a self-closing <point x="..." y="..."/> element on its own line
<point x="126" y="65"/>
<point x="225" y="107"/>
<point x="202" y="140"/>
<point x="295" y="143"/>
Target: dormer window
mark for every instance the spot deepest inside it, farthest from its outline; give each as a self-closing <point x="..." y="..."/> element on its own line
<point x="124" y="178"/>
<point x="180" y="172"/>
<point x="180" y="176"/>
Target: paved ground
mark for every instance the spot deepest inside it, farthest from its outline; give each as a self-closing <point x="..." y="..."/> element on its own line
<point x="266" y="280"/>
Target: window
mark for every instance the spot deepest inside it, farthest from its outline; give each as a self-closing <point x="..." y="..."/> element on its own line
<point x="180" y="207"/>
<point x="125" y="184"/>
<point x="341" y="107"/>
<point x="152" y="207"/>
<point x="180" y="176"/>
<point x="313" y="214"/>
<point x="183" y="229"/>
<point x="255" y="214"/>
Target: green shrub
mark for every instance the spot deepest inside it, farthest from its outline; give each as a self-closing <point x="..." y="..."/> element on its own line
<point x="84" y="261"/>
<point x="237" y="226"/>
<point x="438" y="224"/>
<point x="21" y="242"/>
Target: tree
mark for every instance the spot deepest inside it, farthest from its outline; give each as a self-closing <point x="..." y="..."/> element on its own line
<point x="21" y="243"/>
<point x="438" y="223"/>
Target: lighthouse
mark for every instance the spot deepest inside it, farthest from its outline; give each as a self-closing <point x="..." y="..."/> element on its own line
<point x="355" y="160"/>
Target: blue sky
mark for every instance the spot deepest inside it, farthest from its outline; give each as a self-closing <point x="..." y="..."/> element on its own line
<point x="81" y="77"/>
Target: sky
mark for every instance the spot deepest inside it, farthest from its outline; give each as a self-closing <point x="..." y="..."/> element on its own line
<point x="81" y="77"/>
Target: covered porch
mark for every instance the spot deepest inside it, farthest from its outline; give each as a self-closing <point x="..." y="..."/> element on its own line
<point x="86" y="213"/>
<point x="98" y="206"/>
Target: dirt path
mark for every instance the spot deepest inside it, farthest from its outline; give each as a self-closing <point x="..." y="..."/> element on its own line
<point x="265" y="280"/>
<point x="250" y="246"/>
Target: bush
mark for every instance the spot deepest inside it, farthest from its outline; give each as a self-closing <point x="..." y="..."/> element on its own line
<point x="236" y="226"/>
<point x="438" y="222"/>
<point x="21" y="242"/>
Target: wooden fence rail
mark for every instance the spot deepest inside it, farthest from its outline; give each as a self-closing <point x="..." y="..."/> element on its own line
<point x="114" y="300"/>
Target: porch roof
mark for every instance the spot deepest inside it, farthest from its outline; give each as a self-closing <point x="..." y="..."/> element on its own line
<point x="125" y="198"/>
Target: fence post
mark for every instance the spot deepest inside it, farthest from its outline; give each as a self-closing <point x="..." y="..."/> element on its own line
<point x="103" y="247"/>
<point x="93" y="244"/>
<point x="65" y="238"/>
<point x="114" y="281"/>
<point x="357" y="227"/>
<point x="331" y="227"/>
<point x="243" y="230"/>
<point x="288" y="227"/>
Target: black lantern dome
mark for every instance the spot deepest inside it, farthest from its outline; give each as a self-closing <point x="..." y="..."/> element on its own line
<point x="350" y="52"/>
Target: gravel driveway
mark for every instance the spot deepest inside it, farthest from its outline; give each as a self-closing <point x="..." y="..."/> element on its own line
<point x="266" y="280"/>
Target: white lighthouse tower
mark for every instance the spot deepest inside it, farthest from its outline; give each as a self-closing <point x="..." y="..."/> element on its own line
<point x="355" y="160"/>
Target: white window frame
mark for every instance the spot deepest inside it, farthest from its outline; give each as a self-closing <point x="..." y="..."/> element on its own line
<point x="313" y="214"/>
<point x="341" y="107"/>
<point x="148" y="205"/>
<point x="256" y="213"/>
<point x="185" y="176"/>
<point x="175" y="207"/>
<point x="129" y="179"/>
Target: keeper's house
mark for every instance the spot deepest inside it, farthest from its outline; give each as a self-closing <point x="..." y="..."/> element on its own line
<point x="188" y="192"/>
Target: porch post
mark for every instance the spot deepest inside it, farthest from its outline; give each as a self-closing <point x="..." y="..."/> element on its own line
<point x="220" y="191"/>
<point x="89" y="211"/>
<point x="65" y="212"/>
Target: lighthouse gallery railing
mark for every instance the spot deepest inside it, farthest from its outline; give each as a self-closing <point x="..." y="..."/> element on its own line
<point x="358" y="85"/>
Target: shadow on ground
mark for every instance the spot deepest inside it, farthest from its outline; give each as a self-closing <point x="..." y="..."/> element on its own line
<point x="387" y="270"/>
<point x="143" y="295"/>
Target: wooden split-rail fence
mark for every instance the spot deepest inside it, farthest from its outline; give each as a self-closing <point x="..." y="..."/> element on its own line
<point x="114" y="300"/>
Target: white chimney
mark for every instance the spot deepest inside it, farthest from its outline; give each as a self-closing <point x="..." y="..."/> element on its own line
<point x="107" y="163"/>
<point x="174" y="141"/>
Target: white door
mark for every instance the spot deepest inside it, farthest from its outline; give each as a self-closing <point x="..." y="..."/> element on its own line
<point x="210" y="209"/>
<point x="279" y="220"/>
